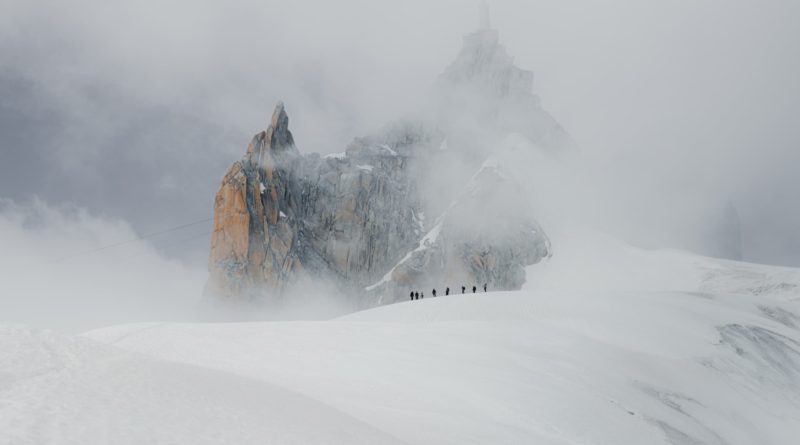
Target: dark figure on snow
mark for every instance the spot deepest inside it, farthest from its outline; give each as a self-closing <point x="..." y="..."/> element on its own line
<point x="416" y="295"/>
<point x="463" y="289"/>
<point x="434" y="293"/>
<point x="484" y="287"/>
<point x="474" y="289"/>
<point x="422" y="295"/>
<point x="447" y="291"/>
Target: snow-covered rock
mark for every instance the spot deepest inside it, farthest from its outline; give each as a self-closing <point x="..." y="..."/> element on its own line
<point x="353" y="218"/>
<point x="341" y="219"/>
<point x="488" y="235"/>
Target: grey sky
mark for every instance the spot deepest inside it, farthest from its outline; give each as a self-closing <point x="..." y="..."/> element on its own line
<point x="135" y="110"/>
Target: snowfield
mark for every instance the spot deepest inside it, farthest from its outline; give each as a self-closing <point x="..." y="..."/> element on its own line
<point x="623" y="355"/>
<point x="58" y="389"/>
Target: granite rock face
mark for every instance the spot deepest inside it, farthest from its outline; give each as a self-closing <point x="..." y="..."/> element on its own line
<point x="485" y="237"/>
<point x="247" y="228"/>
<point x="280" y="217"/>
<point x="410" y="207"/>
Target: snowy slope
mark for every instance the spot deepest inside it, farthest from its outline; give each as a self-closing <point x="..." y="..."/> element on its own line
<point x="627" y="347"/>
<point x="72" y="390"/>
<point x="523" y="367"/>
<point x="590" y="261"/>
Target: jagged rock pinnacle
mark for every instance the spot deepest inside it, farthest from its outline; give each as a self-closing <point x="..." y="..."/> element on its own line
<point x="275" y="140"/>
<point x="278" y="130"/>
<point x="357" y="220"/>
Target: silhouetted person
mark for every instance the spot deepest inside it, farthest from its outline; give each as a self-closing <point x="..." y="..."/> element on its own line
<point x="484" y="287"/>
<point x="422" y="295"/>
<point x="474" y="289"/>
<point x="412" y="295"/>
<point x="447" y="291"/>
<point x="416" y="295"/>
<point x="434" y="293"/>
<point x="463" y="289"/>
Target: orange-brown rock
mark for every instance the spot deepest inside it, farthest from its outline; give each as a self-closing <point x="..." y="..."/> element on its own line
<point x="357" y="219"/>
<point x="246" y="211"/>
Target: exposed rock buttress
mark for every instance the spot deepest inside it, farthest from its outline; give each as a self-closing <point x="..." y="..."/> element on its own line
<point x="391" y="213"/>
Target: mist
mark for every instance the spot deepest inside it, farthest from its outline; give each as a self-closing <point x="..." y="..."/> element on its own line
<point x="119" y="120"/>
<point x="54" y="275"/>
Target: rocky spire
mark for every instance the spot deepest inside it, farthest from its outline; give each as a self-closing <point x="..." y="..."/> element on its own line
<point x="246" y="213"/>
<point x="354" y="220"/>
<point x="281" y="137"/>
<point x="484" y="66"/>
<point x="484" y="88"/>
<point x="275" y="140"/>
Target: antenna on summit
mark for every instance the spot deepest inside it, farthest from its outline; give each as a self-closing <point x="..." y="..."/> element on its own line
<point x="484" y="15"/>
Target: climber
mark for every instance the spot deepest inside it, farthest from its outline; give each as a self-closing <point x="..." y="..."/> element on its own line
<point x="416" y="295"/>
<point x="463" y="289"/>
<point x="474" y="289"/>
<point x="422" y="295"/>
<point x="434" y="293"/>
<point x="447" y="291"/>
<point x="484" y="287"/>
<point x="412" y="295"/>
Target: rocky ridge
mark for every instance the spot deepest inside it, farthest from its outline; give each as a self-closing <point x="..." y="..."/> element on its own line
<point x="378" y="219"/>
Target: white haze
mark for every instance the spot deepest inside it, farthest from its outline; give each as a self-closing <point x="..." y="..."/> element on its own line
<point x="57" y="272"/>
<point x="49" y="279"/>
<point x="678" y="108"/>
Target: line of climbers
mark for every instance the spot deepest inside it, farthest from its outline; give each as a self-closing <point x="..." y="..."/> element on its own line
<point x="419" y="295"/>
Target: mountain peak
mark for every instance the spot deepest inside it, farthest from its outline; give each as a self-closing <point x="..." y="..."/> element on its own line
<point x="279" y="127"/>
<point x="484" y="66"/>
<point x="282" y="218"/>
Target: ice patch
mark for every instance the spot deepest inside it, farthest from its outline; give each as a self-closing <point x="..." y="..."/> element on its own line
<point x="425" y="243"/>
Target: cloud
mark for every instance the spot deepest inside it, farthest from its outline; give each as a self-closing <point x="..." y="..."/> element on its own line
<point x="54" y="276"/>
<point x="135" y="110"/>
